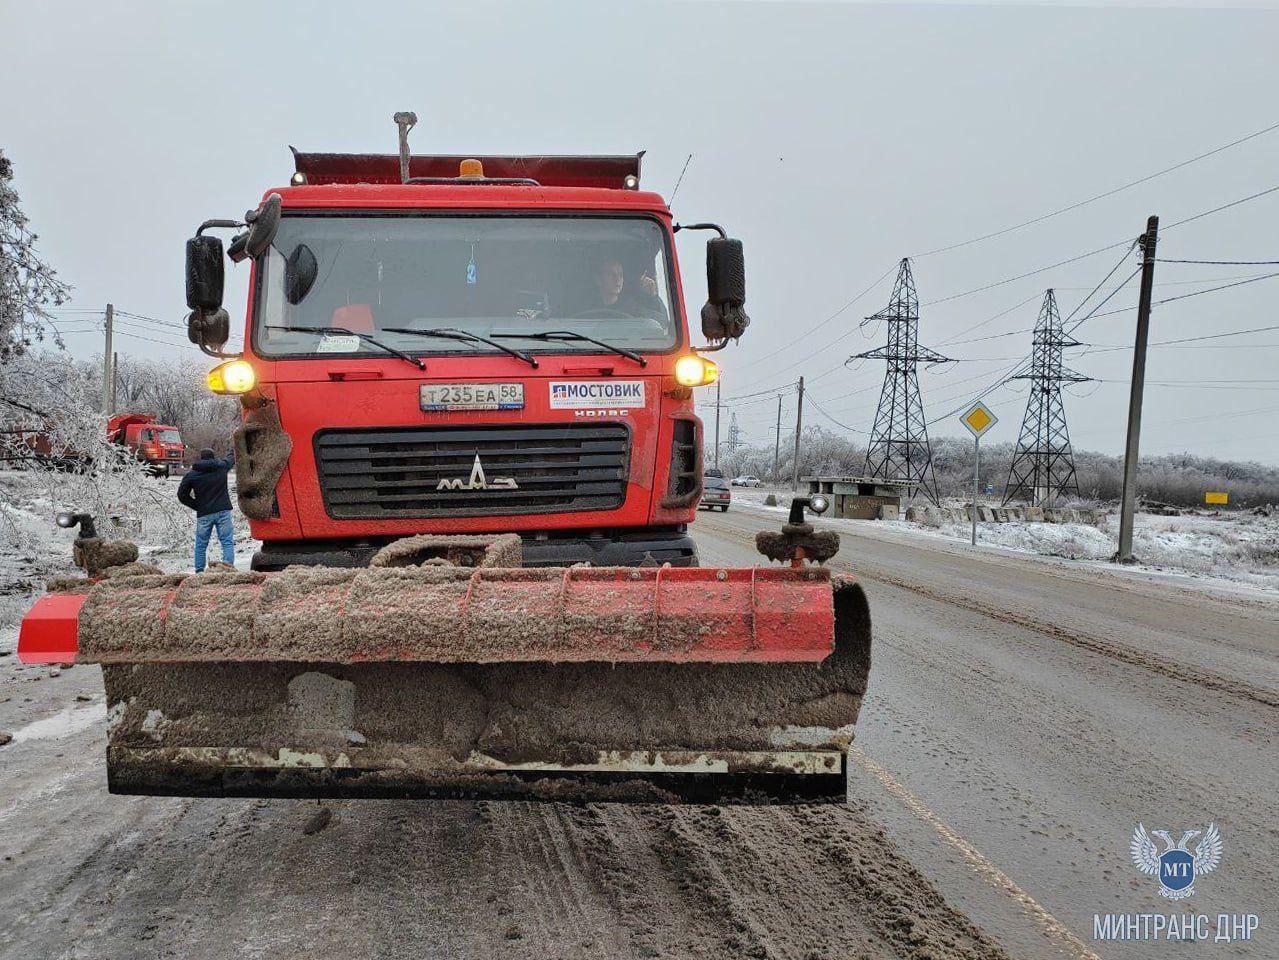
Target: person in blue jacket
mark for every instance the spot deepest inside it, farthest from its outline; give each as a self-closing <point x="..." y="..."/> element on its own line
<point x="204" y="490"/>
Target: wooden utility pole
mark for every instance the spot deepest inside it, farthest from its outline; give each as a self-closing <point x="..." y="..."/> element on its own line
<point x="799" y="428"/>
<point x="777" y="439"/>
<point x="108" y="365"/>
<point x="1131" y="452"/>
<point x="718" y="384"/>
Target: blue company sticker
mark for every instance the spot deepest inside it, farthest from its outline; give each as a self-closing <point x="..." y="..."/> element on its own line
<point x="578" y="394"/>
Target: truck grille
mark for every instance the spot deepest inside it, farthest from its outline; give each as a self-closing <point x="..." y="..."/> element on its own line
<point x="398" y="472"/>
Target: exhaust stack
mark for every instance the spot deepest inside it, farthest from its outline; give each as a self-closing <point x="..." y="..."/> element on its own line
<point x="406" y="120"/>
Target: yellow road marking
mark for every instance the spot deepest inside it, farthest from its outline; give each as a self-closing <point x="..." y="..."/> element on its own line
<point x="976" y="859"/>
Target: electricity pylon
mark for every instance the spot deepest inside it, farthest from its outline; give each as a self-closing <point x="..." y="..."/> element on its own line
<point x="1044" y="465"/>
<point x="899" y="447"/>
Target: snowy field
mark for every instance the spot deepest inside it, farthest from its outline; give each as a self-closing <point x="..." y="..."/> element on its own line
<point x="1237" y="547"/>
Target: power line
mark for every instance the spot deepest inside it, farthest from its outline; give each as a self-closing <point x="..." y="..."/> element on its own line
<point x="1104" y="280"/>
<point x="774" y="392"/>
<point x="1030" y="273"/>
<point x="1177" y="283"/>
<point x="801" y="337"/>
<point x="837" y="423"/>
<point x="1102" y="196"/>
<point x="1035" y="296"/>
<point x="1224" y="286"/>
<point x="1020" y="276"/>
<point x="1184" y="296"/>
<point x="1224" y="263"/>
<point x="1224" y="206"/>
<point x="138" y="326"/>
<point x="1083" y="256"/>
<point x="138" y="336"/>
<point x="1207" y="384"/>
<point x="1001" y="313"/>
<point x="1208" y="336"/>
<point x="139" y="316"/>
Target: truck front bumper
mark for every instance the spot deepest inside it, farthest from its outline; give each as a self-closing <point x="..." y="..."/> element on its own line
<point x="612" y="549"/>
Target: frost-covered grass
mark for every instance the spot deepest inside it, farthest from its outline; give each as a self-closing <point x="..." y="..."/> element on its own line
<point x="1240" y="547"/>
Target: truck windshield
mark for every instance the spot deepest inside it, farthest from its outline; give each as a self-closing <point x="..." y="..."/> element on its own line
<point x="168" y="436"/>
<point x="606" y="278"/>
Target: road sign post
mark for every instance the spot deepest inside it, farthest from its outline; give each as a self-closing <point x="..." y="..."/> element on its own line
<point x="978" y="419"/>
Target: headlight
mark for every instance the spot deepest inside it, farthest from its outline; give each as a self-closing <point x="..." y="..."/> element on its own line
<point x="694" y="371"/>
<point x="233" y="377"/>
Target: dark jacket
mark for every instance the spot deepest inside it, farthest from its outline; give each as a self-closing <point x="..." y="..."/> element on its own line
<point x="204" y="488"/>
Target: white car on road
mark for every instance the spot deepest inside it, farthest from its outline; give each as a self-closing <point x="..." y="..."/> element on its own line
<point x="745" y="481"/>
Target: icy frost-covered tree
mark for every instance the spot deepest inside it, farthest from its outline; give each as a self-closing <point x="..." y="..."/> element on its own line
<point x="28" y="285"/>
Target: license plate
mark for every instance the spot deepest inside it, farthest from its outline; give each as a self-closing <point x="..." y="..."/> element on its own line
<point x="472" y="396"/>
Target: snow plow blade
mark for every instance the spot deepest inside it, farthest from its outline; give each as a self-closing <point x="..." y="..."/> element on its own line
<point x="622" y="684"/>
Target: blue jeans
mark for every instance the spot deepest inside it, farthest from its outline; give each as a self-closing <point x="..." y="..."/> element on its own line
<point x="203" y="527"/>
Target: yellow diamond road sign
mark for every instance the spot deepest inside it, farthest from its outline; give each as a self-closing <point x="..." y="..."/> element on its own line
<point x="978" y="419"/>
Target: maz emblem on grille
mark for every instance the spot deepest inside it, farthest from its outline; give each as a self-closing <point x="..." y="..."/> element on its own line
<point x="478" y="481"/>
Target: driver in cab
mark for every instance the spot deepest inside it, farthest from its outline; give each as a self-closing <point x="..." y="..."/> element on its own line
<point x="617" y="297"/>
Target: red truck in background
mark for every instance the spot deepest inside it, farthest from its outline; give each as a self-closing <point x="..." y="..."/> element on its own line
<point x="156" y="444"/>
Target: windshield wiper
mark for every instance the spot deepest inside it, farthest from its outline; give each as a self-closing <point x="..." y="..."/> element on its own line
<point x="551" y="336"/>
<point x="367" y="337"/>
<point x="452" y="333"/>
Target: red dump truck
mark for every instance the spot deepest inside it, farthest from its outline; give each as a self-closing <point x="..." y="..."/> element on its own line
<point x="156" y="444"/>
<point x="470" y="453"/>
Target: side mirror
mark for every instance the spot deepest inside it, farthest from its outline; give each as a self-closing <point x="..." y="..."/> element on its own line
<point x="723" y="317"/>
<point x="263" y="224"/>
<point x="205" y="273"/>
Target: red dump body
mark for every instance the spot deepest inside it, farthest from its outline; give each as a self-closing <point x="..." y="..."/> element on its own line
<point x="152" y="442"/>
<point x="320" y="397"/>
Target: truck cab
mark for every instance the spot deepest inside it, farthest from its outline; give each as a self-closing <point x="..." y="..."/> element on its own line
<point x="158" y="445"/>
<point x="490" y="345"/>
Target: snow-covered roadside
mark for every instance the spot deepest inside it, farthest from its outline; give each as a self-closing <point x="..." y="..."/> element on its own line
<point x="33" y="548"/>
<point x="1235" y="548"/>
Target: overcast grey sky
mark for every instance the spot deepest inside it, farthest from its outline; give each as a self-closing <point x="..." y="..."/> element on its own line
<point x="833" y="138"/>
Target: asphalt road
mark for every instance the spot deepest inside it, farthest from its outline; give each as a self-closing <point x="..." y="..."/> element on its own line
<point x="1038" y="710"/>
<point x="1023" y="716"/>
